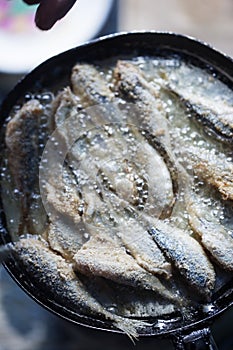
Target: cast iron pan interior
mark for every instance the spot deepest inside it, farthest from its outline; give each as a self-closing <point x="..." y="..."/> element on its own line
<point x="48" y="76"/>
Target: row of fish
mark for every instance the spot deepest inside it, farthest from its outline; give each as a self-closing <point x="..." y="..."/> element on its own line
<point x="111" y="186"/>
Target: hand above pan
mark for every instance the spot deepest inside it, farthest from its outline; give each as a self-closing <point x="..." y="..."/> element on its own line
<point x="49" y="12"/>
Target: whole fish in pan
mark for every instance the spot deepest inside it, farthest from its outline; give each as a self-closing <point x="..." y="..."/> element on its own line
<point x="23" y="139"/>
<point x="214" y="237"/>
<point x="103" y="256"/>
<point x="186" y="254"/>
<point x="131" y="83"/>
<point x="56" y="277"/>
<point x="90" y="85"/>
<point x="216" y="118"/>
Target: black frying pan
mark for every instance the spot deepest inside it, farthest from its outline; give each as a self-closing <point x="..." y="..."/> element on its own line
<point x="186" y="333"/>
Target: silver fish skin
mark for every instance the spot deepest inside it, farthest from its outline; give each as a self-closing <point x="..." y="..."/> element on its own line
<point x="216" y="118"/>
<point x="111" y="205"/>
<point x="75" y="127"/>
<point x="160" y="181"/>
<point x="103" y="256"/>
<point x="88" y="83"/>
<point x="187" y="255"/>
<point x="11" y="205"/>
<point x="161" y="193"/>
<point x="172" y="166"/>
<point x="69" y="123"/>
<point x="131" y="233"/>
<point x="213" y="235"/>
<point x="141" y="178"/>
<point x="22" y="138"/>
<point x="55" y="276"/>
<point x="142" y="247"/>
<point x="95" y="207"/>
<point x="108" y="212"/>
<point x="68" y="242"/>
<point x="132" y="84"/>
<point x="118" y="144"/>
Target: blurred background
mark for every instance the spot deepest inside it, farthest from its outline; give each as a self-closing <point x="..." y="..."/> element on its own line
<point x="208" y="20"/>
<point x="24" y="325"/>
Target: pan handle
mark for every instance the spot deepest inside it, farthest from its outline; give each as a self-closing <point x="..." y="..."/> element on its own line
<point x="196" y="340"/>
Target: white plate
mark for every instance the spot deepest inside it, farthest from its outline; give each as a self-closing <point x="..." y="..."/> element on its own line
<point x="23" y="46"/>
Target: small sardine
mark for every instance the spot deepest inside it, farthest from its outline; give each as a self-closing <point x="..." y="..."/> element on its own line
<point x="170" y="162"/>
<point x="88" y="83"/>
<point x="186" y="254"/>
<point x="52" y="274"/>
<point x="102" y="256"/>
<point x="141" y="246"/>
<point x="23" y="135"/>
<point x="213" y="236"/>
<point x="161" y="179"/>
<point x="95" y="96"/>
<point x="70" y="124"/>
<point x="132" y="84"/>
<point x="216" y="118"/>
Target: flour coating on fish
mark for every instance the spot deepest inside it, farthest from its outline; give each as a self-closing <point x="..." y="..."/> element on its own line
<point x="57" y="278"/>
<point x="136" y="187"/>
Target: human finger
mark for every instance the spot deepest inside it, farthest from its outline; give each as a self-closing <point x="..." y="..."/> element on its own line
<point x="49" y="12"/>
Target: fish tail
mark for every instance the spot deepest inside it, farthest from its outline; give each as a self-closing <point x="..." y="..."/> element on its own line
<point x="130" y="327"/>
